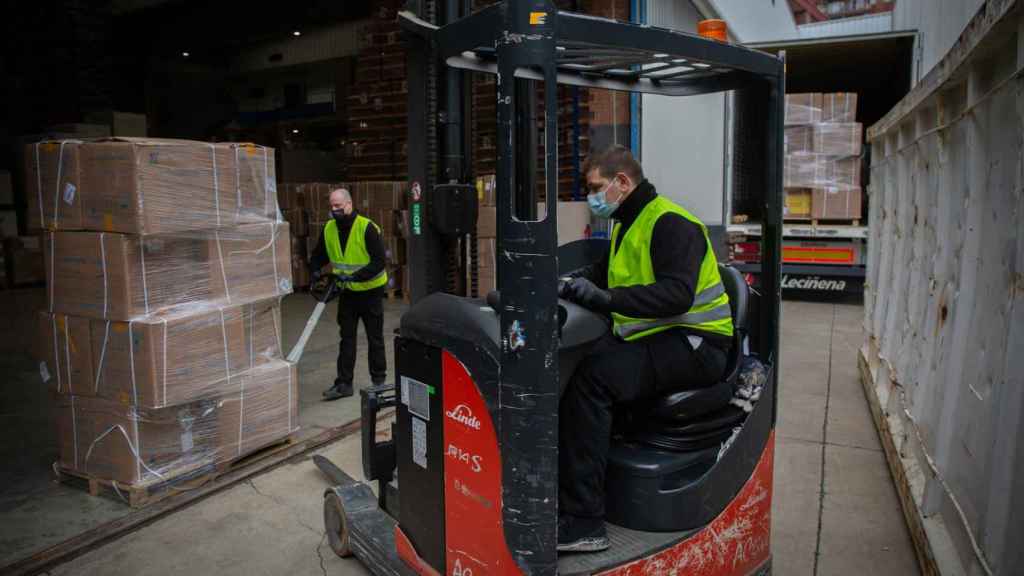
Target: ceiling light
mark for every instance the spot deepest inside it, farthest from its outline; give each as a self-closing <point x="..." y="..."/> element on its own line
<point x="185" y="54"/>
<point x="295" y="130"/>
<point x="296" y="33"/>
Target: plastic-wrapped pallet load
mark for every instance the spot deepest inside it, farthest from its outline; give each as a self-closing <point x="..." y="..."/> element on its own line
<point x="135" y="446"/>
<point x="122" y="276"/>
<point x="148" y="185"/>
<point x="162" y="359"/>
<point x="161" y="340"/>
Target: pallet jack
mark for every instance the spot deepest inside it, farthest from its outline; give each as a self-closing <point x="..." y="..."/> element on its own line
<point x="468" y="482"/>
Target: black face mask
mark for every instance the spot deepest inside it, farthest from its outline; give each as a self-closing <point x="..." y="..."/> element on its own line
<point x="340" y="217"/>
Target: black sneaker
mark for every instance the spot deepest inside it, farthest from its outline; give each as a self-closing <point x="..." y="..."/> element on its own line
<point x="581" y="534"/>
<point x="338" y="391"/>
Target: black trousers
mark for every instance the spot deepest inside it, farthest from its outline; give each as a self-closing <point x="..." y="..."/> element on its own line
<point x="617" y="372"/>
<point x="368" y="307"/>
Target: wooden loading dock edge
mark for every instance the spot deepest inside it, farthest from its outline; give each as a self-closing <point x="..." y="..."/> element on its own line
<point x="242" y="470"/>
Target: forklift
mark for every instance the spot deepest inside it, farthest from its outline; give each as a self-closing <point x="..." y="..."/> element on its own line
<point x="467" y="484"/>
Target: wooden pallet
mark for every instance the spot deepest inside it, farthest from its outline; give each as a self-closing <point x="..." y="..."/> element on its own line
<point x="138" y="495"/>
<point x="151" y="492"/>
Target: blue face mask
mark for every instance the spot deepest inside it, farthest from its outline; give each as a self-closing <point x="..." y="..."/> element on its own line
<point x="599" y="204"/>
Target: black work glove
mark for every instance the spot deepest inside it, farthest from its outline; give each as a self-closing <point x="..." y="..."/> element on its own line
<point x="317" y="275"/>
<point x="587" y="294"/>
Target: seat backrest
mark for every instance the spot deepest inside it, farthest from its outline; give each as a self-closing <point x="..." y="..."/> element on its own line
<point x="739" y="295"/>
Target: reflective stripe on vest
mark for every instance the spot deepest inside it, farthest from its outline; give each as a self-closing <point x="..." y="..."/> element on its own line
<point x="630" y="264"/>
<point x="354" y="257"/>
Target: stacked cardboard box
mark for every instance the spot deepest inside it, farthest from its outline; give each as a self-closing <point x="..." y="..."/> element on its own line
<point x="823" y="142"/>
<point x="165" y="262"/>
<point x="381" y="202"/>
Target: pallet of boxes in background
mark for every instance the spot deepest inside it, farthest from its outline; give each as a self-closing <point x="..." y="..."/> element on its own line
<point x="822" y="171"/>
<point x="165" y="263"/>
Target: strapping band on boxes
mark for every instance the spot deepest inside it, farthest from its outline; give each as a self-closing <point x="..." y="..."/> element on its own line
<point x="161" y="343"/>
<point x="148" y="185"/>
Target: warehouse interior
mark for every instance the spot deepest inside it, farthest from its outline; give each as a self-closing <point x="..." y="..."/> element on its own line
<point x="321" y="83"/>
<point x="281" y="104"/>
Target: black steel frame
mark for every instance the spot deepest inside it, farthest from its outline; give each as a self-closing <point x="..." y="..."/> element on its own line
<point x="532" y="40"/>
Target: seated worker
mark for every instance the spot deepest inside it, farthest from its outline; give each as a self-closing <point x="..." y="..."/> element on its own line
<point x="672" y="330"/>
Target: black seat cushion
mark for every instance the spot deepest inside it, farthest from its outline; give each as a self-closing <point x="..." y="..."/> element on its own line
<point x="685" y="405"/>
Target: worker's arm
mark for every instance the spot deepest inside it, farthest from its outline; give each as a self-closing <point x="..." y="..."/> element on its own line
<point x="319" y="258"/>
<point x="375" y="248"/>
<point x="677" y="252"/>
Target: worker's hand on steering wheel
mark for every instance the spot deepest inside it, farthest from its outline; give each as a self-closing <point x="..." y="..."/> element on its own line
<point x="586" y="294"/>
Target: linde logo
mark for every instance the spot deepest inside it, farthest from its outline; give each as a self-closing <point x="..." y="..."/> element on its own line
<point x="813" y="283"/>
<point x="463" y="415"/>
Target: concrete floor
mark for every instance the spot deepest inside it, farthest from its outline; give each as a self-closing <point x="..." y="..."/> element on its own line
<point x="835" y="509"/>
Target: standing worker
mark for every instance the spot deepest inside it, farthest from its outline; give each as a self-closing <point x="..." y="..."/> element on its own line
<point x="672" y="330"/>
<point x="352" y="244"/>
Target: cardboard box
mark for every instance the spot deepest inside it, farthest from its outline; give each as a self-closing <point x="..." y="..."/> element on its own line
<point x="153" y="186"/>
<point x="839" y="107"/>
<point x="836" y="204"/>
<point x="394" y="251"/>
<point x="23" y="260"/>
<point x="812" y="170"/>
<point x="109" y="440"/>
<point x="318" y="198"/>
<point x="53" y="187"/>
<point x="65" y="354"/>
<point x="803" y="109"/>
<point x="486" y="222"/>
<point x="837" y="139"/>
<point x="253" y="262"/>
<point x="298" y="220"/>
<point x="573" y="220"/>
<point x="486" y="189"/>
<point x="401" y="223"/>
<point x="121" y="123"/>
<point x="264" y="411"/>
<point x="799" y="138"/>
<point x="406" y="287"/>
<point x="486" y="253"/>
<point x="6" y="189"/>
<point x="380" y="195"/>
<point x="164" y="360"/>
<point x="122" y="277"/>
<point x="384" y="220"/>
<point x="797" y="204"/>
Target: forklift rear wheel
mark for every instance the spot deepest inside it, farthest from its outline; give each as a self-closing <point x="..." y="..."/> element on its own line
<point x="336" y="525"/>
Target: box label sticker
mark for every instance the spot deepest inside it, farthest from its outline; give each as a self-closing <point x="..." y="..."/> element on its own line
<point x="419" y="442"/>
<point x="186" y="441"/>
<point x="44" y="372"/>
<point x="69" y="193"/>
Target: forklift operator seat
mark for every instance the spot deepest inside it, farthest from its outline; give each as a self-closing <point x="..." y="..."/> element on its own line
<point x="687" y="405"/>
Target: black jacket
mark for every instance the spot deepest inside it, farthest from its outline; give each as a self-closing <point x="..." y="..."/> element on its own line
<point x="677" y="252"/>
<point x="374" y="247"/>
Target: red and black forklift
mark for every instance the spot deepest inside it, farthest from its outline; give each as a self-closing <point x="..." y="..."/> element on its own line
<point x="468" y="481"/>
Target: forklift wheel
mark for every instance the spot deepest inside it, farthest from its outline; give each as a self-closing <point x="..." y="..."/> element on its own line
<point x="336" y="525"/>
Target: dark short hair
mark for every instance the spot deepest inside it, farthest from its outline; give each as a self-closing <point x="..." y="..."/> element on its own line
<point x="613" y="160"/>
